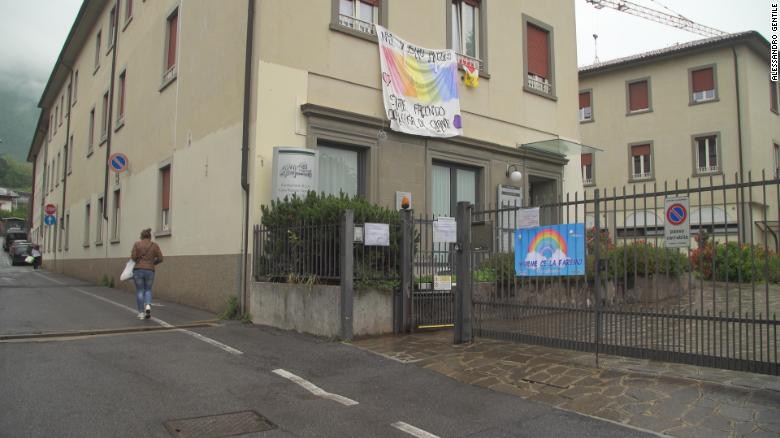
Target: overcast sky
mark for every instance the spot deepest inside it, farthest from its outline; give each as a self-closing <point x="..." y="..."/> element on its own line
<point x="33" y="31"/>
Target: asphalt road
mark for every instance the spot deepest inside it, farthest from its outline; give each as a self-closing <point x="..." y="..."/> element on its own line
<point x="77" y="383"/>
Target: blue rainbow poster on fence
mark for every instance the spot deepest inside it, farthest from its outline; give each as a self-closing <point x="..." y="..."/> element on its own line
<point x="553" y="250"/>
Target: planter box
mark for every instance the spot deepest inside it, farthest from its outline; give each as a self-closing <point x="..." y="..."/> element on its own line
<point x="316" y="309"/>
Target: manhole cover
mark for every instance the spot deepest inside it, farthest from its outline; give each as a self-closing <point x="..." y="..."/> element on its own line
<point x="234" y="423"/>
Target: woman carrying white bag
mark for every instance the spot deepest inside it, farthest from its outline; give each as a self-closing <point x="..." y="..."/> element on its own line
<point x="143" y="258"/>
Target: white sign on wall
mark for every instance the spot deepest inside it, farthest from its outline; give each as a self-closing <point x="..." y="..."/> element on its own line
<point x="295" y="172"/>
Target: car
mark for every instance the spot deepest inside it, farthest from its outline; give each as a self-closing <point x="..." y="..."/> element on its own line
<point x="12" y="235"/>
<point x="19" y="252"/>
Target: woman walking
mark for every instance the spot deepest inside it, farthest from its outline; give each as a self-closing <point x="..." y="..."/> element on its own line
<point x="37" y="257"/>
<point x="146" y="255"/>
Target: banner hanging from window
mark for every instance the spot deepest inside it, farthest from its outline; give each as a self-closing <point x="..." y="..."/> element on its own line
<point x="553" y="250"/>
<point x="420" y="87"/>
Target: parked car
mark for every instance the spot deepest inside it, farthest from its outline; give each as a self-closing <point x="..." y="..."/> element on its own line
<point x="19" y="251"/>
<point x="12" y="235"/>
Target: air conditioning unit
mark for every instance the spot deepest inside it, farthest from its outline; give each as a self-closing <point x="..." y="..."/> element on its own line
<point x="586" y="113"/>
<point x="703" y="96"/>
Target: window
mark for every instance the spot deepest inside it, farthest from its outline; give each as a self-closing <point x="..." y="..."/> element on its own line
<point x="128" y="11"/>
<point x="91" y="139"/>
<point x="451" y="184"/>
<point x="60" y="234"/>
<point x="97" y="50"/>
<point x="703" y="85"/>
<point x="51" y="127"/>
<point x="538" y="57"/>
<point x="120" y="110"/>
<point x="340" y="171"/>
<point x="62" y="106"/>
<point x="111" y="28"/>
<point x="466" y="22"/>
<point x="70" y="95"/>
<point x="87" y="218"/>
<point x="639" y="96"/>
<point x="99" y="222"/>
<point x="115" y="218"/>
<point x="57" y="170"/>
<point x="587" y="169"/>
<point x="75" y="86"/>
<point x="640" y="162"/>
<point x="69" y="155"/>
<point x="773" y="96"/>
<point x="165" y="196"/>
<point x="360" y="15"/>
<point x="172" y="29"/>
<point x="706" y="154"/>
<point x="586" y="110"/>
<point x="776" y="155"/>
<point x="104" y="119"/>
<point x="56" y="117"/>
<point x="67" y="230"/>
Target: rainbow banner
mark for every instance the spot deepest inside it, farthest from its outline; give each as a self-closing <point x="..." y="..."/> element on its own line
<point x="554" y="250"/>
<point x="420" y="87"/>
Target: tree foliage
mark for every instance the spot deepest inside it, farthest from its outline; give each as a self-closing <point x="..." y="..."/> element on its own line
<point x="15" y="175"/>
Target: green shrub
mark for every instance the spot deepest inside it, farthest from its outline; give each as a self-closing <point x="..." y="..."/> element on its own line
<point x="644" y="259"/>
<point x="734" y="262"/>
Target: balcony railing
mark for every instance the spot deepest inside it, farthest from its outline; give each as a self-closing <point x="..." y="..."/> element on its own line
<point x="470" y="62"/>
<point x="708" y="169"/>
<point x="357" y="24"/>
<point x="642" y="175"/>
<point x="587" y="181"/>
<point x="586" y="114"/>
<point x="539" y="83"/>
<point x="703" y="96"/>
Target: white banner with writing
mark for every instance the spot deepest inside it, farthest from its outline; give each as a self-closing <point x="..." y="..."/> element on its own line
<point x="420" y="87"/>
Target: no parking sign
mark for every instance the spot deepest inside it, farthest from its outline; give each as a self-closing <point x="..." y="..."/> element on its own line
<point x="677" y="226"/>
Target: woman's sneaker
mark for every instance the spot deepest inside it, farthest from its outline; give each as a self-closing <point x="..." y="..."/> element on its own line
<point x="141" y="315"/>
<point x="148" y="311"/>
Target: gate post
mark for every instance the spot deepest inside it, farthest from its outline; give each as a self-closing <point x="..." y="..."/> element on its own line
<point x="463" y="305"/>
<point x="597" y="272"/>
<point x="402" y="304"/>
<point x="346" y="270"/>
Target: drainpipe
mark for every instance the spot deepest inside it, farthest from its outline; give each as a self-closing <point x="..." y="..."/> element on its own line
<point x="67" y="156"/>
<point x="109" y="117"/>
<point x="742" y="220"/>
<point x="250" y="28"/>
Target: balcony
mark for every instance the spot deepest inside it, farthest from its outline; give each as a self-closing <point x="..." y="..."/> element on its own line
<point x="359" y="25"/>
<point x="539" y="83"/>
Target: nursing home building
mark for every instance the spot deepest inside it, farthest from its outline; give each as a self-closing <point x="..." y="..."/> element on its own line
<point x="693" y="113"/>
<point x="197" y="94"/>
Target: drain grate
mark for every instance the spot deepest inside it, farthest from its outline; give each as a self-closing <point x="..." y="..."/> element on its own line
<point x="213" y="426"/>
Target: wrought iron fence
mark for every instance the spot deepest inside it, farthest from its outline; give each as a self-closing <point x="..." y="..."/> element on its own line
<point x="714" y="304"/>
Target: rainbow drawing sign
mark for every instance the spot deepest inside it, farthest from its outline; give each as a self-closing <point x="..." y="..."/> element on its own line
<point x="553" y="250"/>
<point x="420" y="87"/>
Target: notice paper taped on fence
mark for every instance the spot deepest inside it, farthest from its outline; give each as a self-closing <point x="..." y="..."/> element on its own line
<point x="376" y="234"/>
<point x="445" y="230"/>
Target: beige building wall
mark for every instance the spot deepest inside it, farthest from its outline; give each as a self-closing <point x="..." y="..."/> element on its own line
<point x="673" y="122"/>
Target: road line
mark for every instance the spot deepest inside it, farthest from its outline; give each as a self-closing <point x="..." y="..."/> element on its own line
<point x="413" y="431"/>
<point x="197" y="336"/>
<point x="314" y="389"/>
<point x="47" y="278"/>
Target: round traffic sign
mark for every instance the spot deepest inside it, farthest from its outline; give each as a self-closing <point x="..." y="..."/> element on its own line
<point x="50" y="209"/>
<point x="118" y="162"/>
<point x="676" y="214"/>
<point x="50" y="220"/>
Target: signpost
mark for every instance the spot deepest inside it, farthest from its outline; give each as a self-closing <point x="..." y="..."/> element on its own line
<point x="677" y="227"/>
<point x="118" y="162"/>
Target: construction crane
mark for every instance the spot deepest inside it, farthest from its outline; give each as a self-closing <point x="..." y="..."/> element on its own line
<point x="677" y="21"/>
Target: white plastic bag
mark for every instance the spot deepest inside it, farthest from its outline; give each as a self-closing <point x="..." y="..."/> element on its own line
<point x="29" y="259"/>
<point x="127" y="274"/>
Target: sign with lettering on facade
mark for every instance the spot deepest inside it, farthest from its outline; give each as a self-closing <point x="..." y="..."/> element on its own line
<point x="420" y="87"/>
<point x="677" y="226"/>
<point x="555" y="250"/>
<point x="295" y="172"/>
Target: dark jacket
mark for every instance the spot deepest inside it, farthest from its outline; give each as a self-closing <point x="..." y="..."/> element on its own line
<point x="146" y="254"/>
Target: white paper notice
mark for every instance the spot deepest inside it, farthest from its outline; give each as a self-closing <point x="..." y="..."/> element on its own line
<point x="376" y="234"/>
<point x="445" y="230"/>
<point x="442" y="282"/>
<point x="528" y="217"/>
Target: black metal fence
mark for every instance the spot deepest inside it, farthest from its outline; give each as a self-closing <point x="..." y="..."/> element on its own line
<point x="714" y="304"/>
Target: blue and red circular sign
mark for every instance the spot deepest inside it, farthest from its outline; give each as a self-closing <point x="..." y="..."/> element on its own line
<point x="676" y="214"/>
<point x="118" y="162"/>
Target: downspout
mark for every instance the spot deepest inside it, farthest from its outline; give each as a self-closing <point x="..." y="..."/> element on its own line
<point x="67" y="156"/>
<point x="250" y="28"/>
<point x="110" y="115"/>
<point x="739" y="148"/>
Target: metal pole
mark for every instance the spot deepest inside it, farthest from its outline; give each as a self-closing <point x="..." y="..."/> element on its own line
<point x="463" y="305"/>
<point x="347" y="267"/>
<point x="402" y="305"/>
<point x="597" y="273"/>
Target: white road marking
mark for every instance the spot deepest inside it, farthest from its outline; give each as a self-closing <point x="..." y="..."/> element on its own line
<point x="197" y="336"/>
<point x="413" y="431"/>
<point x="314" y="389"/>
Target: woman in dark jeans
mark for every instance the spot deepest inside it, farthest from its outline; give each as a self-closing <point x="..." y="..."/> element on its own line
<point x="146" y="255"/>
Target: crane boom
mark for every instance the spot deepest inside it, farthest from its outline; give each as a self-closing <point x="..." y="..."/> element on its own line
<point x="660" y="17"/>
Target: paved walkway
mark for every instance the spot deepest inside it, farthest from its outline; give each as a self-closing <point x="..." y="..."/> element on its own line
<point x="673" y="399"/>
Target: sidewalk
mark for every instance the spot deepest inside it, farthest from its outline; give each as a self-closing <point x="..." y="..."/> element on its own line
<point x="674" y="399"/>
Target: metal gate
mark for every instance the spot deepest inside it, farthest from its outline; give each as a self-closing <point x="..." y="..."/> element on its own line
<point x="714" y="304"/>
<point x="433" y="278"/>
